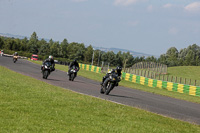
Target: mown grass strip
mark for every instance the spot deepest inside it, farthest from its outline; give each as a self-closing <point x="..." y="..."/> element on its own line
<point x="164" y="92"/>
<point x="30" y="105"/>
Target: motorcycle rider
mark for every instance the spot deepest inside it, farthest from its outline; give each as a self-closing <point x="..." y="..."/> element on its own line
<point x="50" y="59"/>
<point x="15" y="54"/>
<point x="1" y="52"/>
<point x="73" y="63"/>
<point x="118" y="70"/>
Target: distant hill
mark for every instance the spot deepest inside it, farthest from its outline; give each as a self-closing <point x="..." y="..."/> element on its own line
<point x="115" y="50"/>
<point x="18" y="36"/>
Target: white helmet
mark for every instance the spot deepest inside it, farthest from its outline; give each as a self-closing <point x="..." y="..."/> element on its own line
<point x="50" y="57"/>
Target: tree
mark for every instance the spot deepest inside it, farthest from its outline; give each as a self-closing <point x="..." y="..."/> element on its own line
<point x="54" y="49"/>
<point x="44" y="48"/>
<point x="172" y="56"/>
<point x="24" y="44"/>
<point x="190" y="59"/>
<point x="163" y="59"/>
<point x="63" y="47"/>
<point x="33" y="43"/>
<point x="118" y="59"/>
<point x="1" y="43"/>
<point x="88" y="54"/>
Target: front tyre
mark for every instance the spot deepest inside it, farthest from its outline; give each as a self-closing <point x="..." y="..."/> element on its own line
<point x="14" y="60"/>
<point x="110" y="87"/>
<point x="45" y="74"/>
<point x="72" y="76"/>
<point x="107" y="86"/>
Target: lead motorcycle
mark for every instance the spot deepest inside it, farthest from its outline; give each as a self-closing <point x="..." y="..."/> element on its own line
<point x="72" y="73"/>
<point x="110" y="83"/>
<point x="15" y="58"/>
<point x="46" y="69"/>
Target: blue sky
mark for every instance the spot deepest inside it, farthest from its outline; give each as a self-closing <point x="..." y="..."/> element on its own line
<point x="147" y="26"/>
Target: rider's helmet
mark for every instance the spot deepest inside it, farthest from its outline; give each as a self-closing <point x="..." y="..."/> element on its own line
<point x="16" y="53"/>
<point x="118" y="69"/>
<point x="50" y="57"/>
<point x="75" y="60"/>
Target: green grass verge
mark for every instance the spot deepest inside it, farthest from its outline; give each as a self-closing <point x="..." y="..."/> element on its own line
<point x="190" y="72"/>
<point x="30" y="105"/>
<point x="164" y="92"/>
<point x="182" y="74"/>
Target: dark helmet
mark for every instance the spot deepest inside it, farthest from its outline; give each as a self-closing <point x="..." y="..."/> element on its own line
<point x="118" y="68"/>
<point x="75" y="60"/>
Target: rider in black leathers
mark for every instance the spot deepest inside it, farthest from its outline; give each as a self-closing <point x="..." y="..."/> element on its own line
<point x="117" y="70"/>
<point x="73" y="63"/>
<point x="50" y="59"/>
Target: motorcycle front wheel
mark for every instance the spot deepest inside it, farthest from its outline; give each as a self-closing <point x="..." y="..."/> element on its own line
<point x="72" y="76"/>
<point x="107" y="86"/>
<point x="45" y="74"/>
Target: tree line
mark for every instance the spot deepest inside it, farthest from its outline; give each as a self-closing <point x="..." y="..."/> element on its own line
<point x="65" y="51"/>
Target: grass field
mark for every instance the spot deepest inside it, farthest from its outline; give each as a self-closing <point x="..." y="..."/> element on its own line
<point x="183" y="74"/>
<point x="98" y="77"/>
<point x="30" y="105"/>
<point x="190" y="72"/>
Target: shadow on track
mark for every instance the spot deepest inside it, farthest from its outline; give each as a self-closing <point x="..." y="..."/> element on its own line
<point x="121" y="96"/>
<point x="54" y="79"/>
<point x="79" y="81"/>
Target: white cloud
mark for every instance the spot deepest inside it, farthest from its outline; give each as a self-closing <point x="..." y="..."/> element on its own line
<point x="126" y="2"/>
<point x="167" y="5"/>
<point x="193" y="7"/>
<point x="78" y="0"/>
<point x="173" y="31"/>
<point x="150" y="8"/>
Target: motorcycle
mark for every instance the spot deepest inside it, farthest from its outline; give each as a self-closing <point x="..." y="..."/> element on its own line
<point x="110" y="83"/>
<point x="73" y="73"/>
<point x="15" y="58"/>
<point x="46" y="69"/>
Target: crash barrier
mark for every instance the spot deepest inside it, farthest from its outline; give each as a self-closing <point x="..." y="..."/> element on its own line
<point x="170" y="86"/>
<point x="21" y="57"/>
<point x="90" y="68"/>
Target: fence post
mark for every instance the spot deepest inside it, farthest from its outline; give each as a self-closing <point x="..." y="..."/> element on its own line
<point x="190" y="82"/>
<point x="195" y="82"/>
<point x="171" y="78"/>
<point x="180" y="80"/>
<point x="185" y="81"/>
<point x="175" y="79"/>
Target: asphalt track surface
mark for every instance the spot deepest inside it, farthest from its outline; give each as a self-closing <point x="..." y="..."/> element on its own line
<point x="166" y="106"/>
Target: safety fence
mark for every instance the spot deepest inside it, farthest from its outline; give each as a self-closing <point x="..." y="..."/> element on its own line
<point x="170" y="86"/>
<point x="90" y="68"/>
